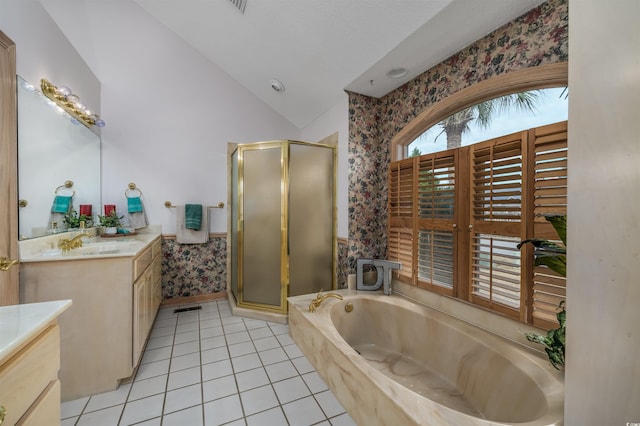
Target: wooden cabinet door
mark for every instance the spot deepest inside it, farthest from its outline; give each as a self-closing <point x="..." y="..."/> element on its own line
<point x="8" y="173"/>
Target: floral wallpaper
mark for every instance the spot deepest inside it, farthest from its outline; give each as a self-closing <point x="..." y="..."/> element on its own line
<point x="538" y="37"/>
<point x="193" y="269"/>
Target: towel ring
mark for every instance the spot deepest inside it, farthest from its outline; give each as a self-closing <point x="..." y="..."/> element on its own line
<point x="68" y="184"/>
<point x="132" y="187"/>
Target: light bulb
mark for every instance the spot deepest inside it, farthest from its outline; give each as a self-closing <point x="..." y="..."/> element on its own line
<point x="100" y="123"/>
<point x="63" y="90"/>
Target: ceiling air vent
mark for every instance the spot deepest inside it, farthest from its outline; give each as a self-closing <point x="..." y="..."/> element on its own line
<point x="240" y="4"/>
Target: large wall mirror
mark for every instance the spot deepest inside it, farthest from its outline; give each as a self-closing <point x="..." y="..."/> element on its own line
<point x="53" y="149"/>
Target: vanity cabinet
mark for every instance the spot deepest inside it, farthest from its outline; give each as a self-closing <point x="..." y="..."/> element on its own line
<point x="147" y="295"/>
<point x="29" y="363"/>
<point x="115" y="300"/>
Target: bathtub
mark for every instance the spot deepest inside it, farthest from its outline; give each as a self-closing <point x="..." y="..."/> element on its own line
<point x="391" y="361"/>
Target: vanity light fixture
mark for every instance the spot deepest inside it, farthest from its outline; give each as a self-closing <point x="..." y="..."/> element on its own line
<point x="397" y="72"/>
<point x="65" y="99"/>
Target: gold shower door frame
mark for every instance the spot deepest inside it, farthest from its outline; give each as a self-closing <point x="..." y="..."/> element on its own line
<point x="285" y="279"/>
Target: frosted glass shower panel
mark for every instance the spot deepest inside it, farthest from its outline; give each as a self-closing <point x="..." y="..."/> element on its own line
<point x="262" y="225"/>
<point x="311" y="221"/>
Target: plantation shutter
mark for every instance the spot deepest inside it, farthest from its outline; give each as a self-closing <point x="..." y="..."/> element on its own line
<point x="550" y="197"/>
<point x="401" y="204"/>
<point x="496" y="224"/>
<point x="435" y="249"/>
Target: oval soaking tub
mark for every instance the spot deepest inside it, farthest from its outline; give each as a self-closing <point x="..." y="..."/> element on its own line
<point x="392" y="361"/>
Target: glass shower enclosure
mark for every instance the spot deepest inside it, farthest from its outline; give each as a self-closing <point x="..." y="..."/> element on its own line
<point x="282" y="222"/>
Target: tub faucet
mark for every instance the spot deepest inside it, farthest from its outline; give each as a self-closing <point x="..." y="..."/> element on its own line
<point x="75" y="242"/>
<point x="321" y="298"/>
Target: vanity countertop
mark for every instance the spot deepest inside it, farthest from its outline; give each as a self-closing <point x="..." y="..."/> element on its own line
<point x="21" y="323"/>
<point x="46" y="249"/>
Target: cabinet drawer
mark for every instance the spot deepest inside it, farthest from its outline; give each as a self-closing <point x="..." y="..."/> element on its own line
<point x="46" y="410"/>
<point x="156" y="248"/>
<point x="26" y="375"/>
<point x="141" y="262"/>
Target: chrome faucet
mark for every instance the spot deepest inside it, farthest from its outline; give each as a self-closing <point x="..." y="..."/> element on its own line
<point x="321" y="298"/>
<point x="75" y="242"/>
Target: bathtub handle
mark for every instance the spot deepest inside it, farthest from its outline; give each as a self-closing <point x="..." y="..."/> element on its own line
<point x="321" y="298"/>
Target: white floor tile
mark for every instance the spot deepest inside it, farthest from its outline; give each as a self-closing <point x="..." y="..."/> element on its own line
<point x="108" y="399"/>
<point x="266" y="343"/>
<point x="252" y="379"/>
<point x="259" y="333"/>
<point x="329" y="403"/>
<point x="152" y="355"/>
<point x="279" y="328"/>
<point x="188" y="417"/>
<point x="159" y="342"/>
<point x="73" y="408"/>
<point x="291" y="389"/>
<point x="281" y="371"/>
<point x="239" y="337"/>
<point x="208" y="367"/>
<point x="272" y="417"/>
<point x="183" y="378"/>
<point x="303" y="365"/>
<point x="205" y="333"/>
<point x="187" y="326"/>
<point x="285" y="339"/>
<point x="213" y="355"/>
<point x="186" y="348"/>
<point x="182" y="398"/>
<point x="304" y="411"/>
<point x="258" y="399"/>
<point x="209" y="323"/>
<point x="71" y="421"/>
<point x="144" y="388"/>
<point x="186" y="337"/>
<point x="271" y="356"/>
<point x="314" y="382"/>
<point x="240" y="349"/>
<point x="219" y="388"/>
<point x="213" y="342"/>
<point x="142" y="409"/>
<point x="105" y="417"/>
<point x="343" y="420"/>
<point x="216" y="369"/>
<point x="222" y="410"/>
<point x="246" y="362"/>
<point x="152" y="369"/>
<point x="184" y="361"/>
<point x="293" y="351"/>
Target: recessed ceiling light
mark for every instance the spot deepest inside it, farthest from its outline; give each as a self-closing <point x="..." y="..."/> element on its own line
<point x="277" y="85"/>
<point x="397" y="72"/>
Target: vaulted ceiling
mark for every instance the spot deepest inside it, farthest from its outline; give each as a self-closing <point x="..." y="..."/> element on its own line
<point x="319" y="48"/>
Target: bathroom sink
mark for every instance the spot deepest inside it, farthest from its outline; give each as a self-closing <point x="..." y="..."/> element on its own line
<point x="91" y="248"/>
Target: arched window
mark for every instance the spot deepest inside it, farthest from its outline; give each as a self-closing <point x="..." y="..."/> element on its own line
<point x="456" y="215"/>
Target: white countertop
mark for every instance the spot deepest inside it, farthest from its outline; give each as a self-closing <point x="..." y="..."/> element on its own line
<point x="45" y="249"/>
<point x="21" y="323"/>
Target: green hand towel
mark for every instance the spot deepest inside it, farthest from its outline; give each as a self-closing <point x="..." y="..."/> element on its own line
<point x="134" y="204"/>
<point x="193" y="216"/>
<point x="61" y="204"/>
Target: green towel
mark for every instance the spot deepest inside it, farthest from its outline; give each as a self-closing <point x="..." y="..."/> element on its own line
<point x="134" y="204"/>
<point x="193" y="216"/>
<point x="61" y="204"/>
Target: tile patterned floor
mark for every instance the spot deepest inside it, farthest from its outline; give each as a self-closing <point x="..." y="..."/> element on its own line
<point x="208" y="367"/>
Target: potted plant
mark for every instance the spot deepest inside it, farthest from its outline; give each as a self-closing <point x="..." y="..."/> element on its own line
<point x="554" y="256"/>
<point x="110" y="222"/>
<point x="73" y="220"/>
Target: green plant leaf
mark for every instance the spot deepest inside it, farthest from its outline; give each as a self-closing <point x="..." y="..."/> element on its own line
<point x="559" y="223"/>
<point x="557" y="263"/>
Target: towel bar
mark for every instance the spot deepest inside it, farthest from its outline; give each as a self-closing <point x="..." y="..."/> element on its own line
<point x="170" y="205"/>
<point x="68" y="184"/>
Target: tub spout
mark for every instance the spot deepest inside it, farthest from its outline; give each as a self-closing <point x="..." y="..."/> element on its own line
<point x="321" y="298"/>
